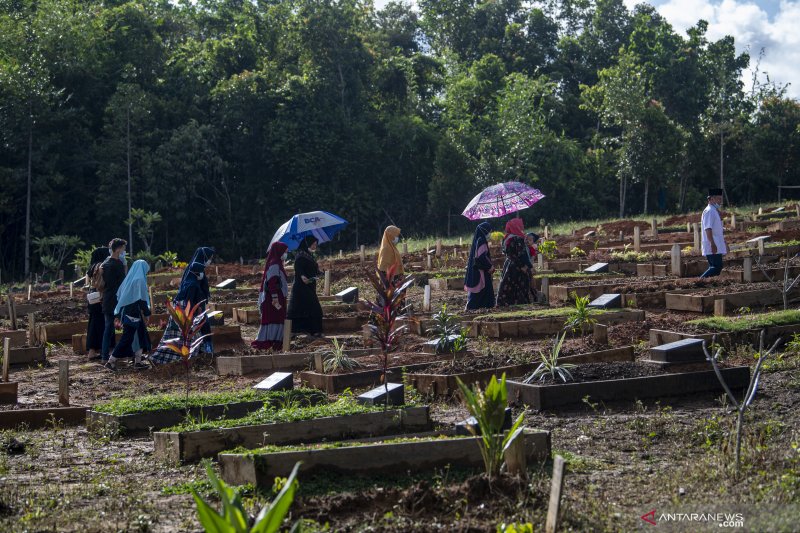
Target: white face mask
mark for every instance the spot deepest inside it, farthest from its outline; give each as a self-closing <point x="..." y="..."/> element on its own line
<point x="200" y="276"/>
<point x="284" y="256"/>
<point x="396" y="240"/>
<point x="208" y="263"/>
<point x="122" y="256"/>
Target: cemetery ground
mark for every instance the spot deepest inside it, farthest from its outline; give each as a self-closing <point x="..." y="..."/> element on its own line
<point x="669" y="452"/>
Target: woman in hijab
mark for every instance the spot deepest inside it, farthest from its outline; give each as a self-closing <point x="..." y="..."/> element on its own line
<point x="515" y="283"/>
<point x="133" y="308"/>
<point x="389" y="258"/>
<point x="304" y="311"/>
<point x="531" y="240"/>
<point x="478" y="281"/>
<point x="194" y="288"/>
<point x="272" y="300"/>
<point x="94" y="332"/>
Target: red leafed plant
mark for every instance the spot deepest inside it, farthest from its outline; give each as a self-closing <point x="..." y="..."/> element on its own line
<point x="190" y="323"/>
<point x="389" y="306"/>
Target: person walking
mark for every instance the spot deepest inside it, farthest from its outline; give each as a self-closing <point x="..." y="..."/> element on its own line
<point x="132" y="312"/>
<point x="713" y="241"/>
<point x="113" y="276"/>
<point x="389" y="258"/>
<point x="96" y="327"/>
<point x="515" y="282"/>
<point x="478" y="279"/>
<point x="272" y="299"/>
<point x="194" y="288"/>
<point x="305" y="311"/>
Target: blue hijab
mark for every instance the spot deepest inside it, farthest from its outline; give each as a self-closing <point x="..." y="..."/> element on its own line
<point x="473" y="276"/>
<point x="134" y="286"/>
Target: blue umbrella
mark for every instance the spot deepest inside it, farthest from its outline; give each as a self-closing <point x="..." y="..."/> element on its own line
<point x="320" y="224"/>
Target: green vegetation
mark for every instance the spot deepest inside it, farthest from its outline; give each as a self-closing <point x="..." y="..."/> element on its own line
<point x="161" y="402"/>
<point x="338" y="360"/>
<point x="545" y="312"/>
<point x="577" y="275"/>
<point x="288" y="411"/>
<point x="746" y="322"/>
<point x="274" y="448"/>
<point x="550" y="365"/>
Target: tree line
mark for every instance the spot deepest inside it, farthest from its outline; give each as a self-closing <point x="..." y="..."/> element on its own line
<point x="225" y="117"/>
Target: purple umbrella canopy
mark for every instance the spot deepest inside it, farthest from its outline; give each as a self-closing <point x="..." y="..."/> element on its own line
<point x="502" y="199"/>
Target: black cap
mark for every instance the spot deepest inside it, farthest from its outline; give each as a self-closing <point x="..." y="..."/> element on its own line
<point x="714" y="192"/>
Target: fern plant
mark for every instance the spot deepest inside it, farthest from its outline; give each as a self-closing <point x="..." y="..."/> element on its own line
<point x="550" y="366"/>
<point x="234" y="518"/>
<point x="338" y="360"/>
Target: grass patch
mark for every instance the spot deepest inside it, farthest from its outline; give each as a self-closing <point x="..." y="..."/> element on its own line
<point x="161" y="402"/>
<point x="577" y="275"/>
<point x="536" y="313"/>
<point x="202" y="486"/>
<point x="274" y="448"/>
<point x="746" y="322"/>
<point x="287" y="412"/>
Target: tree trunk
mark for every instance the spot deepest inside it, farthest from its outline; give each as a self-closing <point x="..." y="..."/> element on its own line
<point x="646" y="193"/>
<point x="128" y="158"/>
<point x="623" y="190"/>
<point x="28" y="196"/>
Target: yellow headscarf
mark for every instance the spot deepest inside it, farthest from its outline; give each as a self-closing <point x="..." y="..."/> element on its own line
<point x="388" y="254"/>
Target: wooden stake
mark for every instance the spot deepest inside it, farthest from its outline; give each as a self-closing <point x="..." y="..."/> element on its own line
<point x="760" y="210"/>
<point x="287" y="335"/>
<point x="654" y="228"/>
<point x="405" y="248"/>
<point x="556" y="486"/>
<point x="733" y="221"/>
<point x="63" y="382"/>
<point x="545" y="289"/>
<point x="363" y="254"/>
<point x="32" y="329"/>
<point x="675" y="255"/>
<point x="341" y="254"/>
<point x="216" y="270"/>
<point x="438" y="247"/>
<point x="426" y="301"/>
<point x="514" y="455"/>
<point x="318" y="365"/>
<point x="636" y="239"/>
<point x="697" y="243"/>
<point x="6" y="357"/>
<point x="761" y="246"/>
<point x="688" y="227"/>
<point x="430" y="263"/>
<point x="70" y="291"/>
<point x="30" y="287"/>
<point x="12" y="310"/>
<point x="747" y="265"/>
<point x="540" y="260"/>
<point x="719" y="307"/>
<point x="461" y="239"/>
<point x="547" y="232"/>
<point x="600" y="334"/>
<point x="621" y="236"/>
<point x="152" y="302"/>
<point x="327" y="290"/>
<point x="797" y="209"/>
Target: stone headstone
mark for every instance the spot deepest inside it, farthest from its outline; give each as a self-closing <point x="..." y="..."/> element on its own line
<point x="682" y="351"/>
<point x="276" y="381"/>
<point x="589" y="234"/>
<point x="462" y="428"/>
<point x="377" y="396"/>
<point x="597" y="268"/>
<point x="430" y="346"/>
<point x="228" y="284"/>
<point x="348" y="296"/>
<point x="607" y="301"/>
<point x="779" y="210"/>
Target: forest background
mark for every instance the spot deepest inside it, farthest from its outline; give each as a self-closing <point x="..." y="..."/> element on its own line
<point x="214" y="121"/>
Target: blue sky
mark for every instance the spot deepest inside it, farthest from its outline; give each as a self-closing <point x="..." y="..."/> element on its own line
<point x="771" y="25"/>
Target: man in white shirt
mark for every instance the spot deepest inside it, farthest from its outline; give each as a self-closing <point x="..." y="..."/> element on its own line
<point x="713" y="245"/>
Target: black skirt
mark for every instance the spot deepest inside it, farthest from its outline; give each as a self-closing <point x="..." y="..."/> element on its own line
<point x="97" y="323"/>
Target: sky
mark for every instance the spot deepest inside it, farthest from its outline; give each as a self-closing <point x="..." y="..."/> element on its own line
<point x="771" y="25"/>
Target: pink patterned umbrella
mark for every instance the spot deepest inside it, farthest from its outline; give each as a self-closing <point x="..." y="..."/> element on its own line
<point x="502" y="199"/>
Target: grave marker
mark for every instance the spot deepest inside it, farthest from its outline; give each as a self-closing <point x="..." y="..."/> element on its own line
<point x="438" y="247"/>
<point x="426" y="299"/>
<point x="733" y="221"/>
<point x="12" y="310"/>
<point x="747" y="265"/>
<point x="556" y="486"/>
<point x="363" y="254"/>
<point x="682" y="351"/>
<point x="6" y="357"/>
<point x="319" y="365"/>
<point x="514" y="455"/>
<point x="276" y="381"/>
<point x="600" y="333"/>
<point x="327" y="289"/>
<point x="405" y="248"/>
<point x="63" y="382"/>
<point x="636" y="239"/>
<point x="377" y="396"/>
<point x="696" y="232"/>
<point x="597" y="268"/>
<point x="287" y="335"/>
<point x="463" y="427"/>
<point x="719" y="307"/>
<point x="228" y="284"/>
<point x="348" y="296"/>
<point x="607" y="301"/>
<point x="654" y="228"/>
<point x="675" y="255"/>
<point x="545" y="289"/>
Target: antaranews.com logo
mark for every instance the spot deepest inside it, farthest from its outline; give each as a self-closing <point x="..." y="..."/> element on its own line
<point x="722" y="520"/>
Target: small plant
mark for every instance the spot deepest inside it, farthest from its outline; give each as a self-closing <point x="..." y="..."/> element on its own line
<point x="445" y="326"/>
<point x="496" y="237"/>
<point x="337" y="360"/>
<point x="550" y="366"/>
<point x="82" y="260"/>
<point x="577" y="252"/>
<point x="169" y="258"/>
<point x="750" y="395"/>
<point x="488" y="407"/>
<point x="234" y="518"/>
<point x="53" y="250"/>
<point x="515" y="528"/>
<point x="144" y="223"/>
<point x="581" y="316"/>
<point x="460" y="343"/>
<point x="548" y="249"/>
<point x="190" y="323"/>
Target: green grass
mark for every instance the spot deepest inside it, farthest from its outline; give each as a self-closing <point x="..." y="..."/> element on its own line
<point x="273" y="448"/>
<point x="345" y="405"/>
<point x="534" y="313"/>
<point x="578" y="275"/>
<point x="160" y="402"/>
<point x="743" y="323"/>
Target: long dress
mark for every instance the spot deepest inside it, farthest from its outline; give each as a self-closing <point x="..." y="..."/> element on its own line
<point x="274" y="284"/>
<point x="305" y="311"/>
<point x="515" y="283"/>
<point x="96" y="326"/>
<point x="478" y="280"/>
